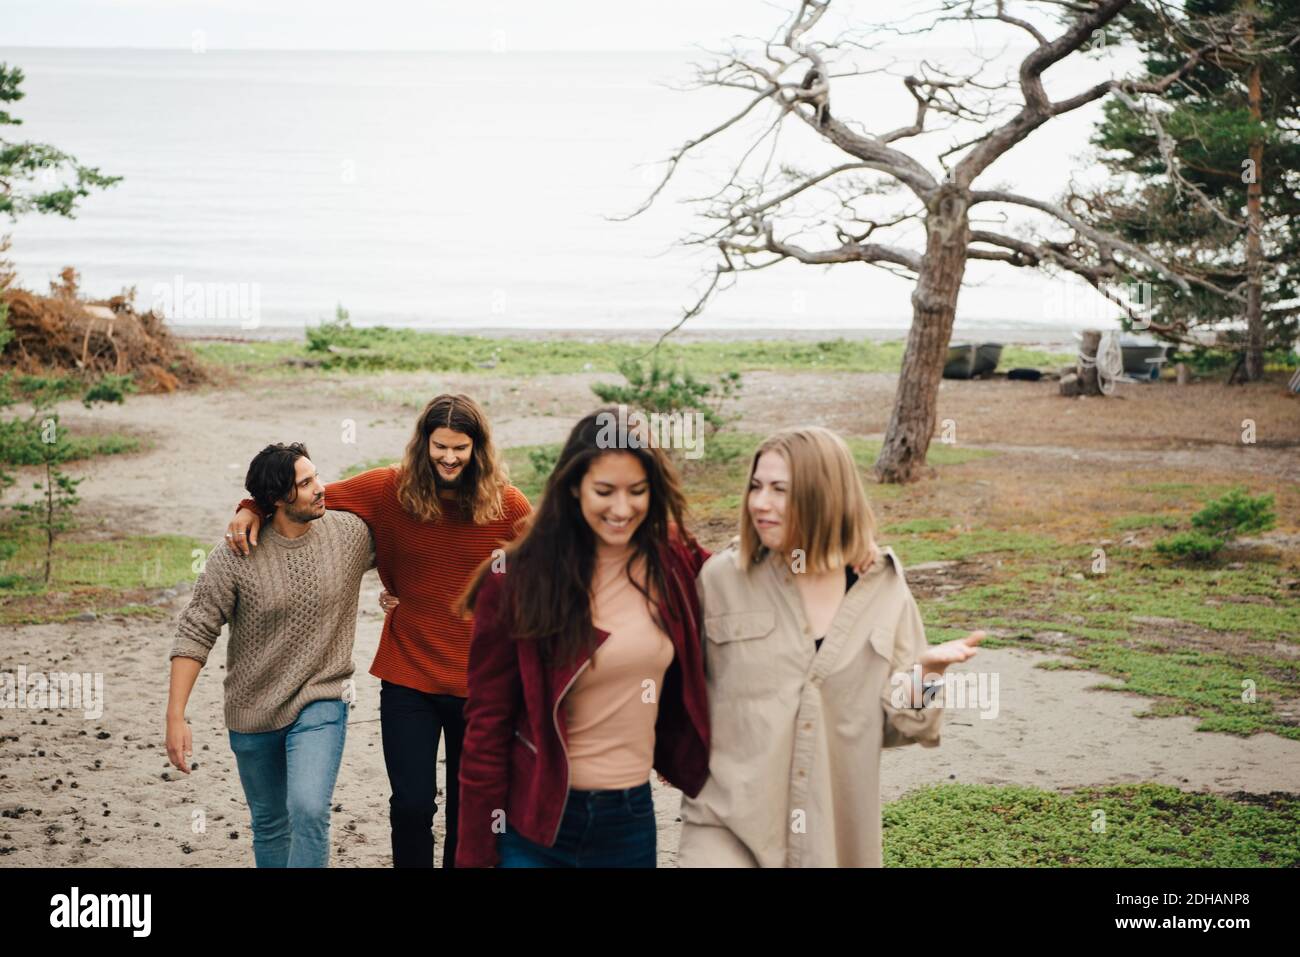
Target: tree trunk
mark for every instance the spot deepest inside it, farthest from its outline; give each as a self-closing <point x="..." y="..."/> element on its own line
<point x="934" y="306"/>
<point x="1254" y="226"/>
<point x="49" y="520"/>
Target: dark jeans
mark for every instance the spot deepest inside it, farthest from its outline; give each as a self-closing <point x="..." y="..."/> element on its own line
<point x="410" y="723"/>
<point x="600" y="829"/>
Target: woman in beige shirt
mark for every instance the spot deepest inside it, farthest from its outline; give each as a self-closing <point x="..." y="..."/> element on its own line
<point x="811" y="669"/>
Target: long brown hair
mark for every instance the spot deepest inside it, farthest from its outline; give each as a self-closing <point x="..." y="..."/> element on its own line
<point x="826" y="514"/>
<point x="550" y="565"/>
<point x="482" y="487"/>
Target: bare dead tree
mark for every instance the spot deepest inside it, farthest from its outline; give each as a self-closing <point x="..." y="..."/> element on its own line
<point x="790" y="76"/>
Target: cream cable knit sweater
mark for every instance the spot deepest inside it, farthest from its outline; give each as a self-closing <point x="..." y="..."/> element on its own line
<point x="292" y="610"/>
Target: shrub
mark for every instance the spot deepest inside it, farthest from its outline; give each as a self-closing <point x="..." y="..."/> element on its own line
<point x="1218" y="523"/>
<point x="659" y="388"/>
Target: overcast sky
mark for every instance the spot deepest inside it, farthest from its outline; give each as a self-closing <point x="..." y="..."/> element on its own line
<point x="384" y="24"/>
<point x="417" y="24"/>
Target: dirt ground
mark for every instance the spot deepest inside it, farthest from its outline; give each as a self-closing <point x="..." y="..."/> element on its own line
<point x="98" y="792"/>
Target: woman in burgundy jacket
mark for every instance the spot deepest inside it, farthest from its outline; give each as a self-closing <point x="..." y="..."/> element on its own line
<point x="585" y="667"/>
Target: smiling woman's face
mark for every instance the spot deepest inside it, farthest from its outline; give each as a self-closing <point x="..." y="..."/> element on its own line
<point x="768" y="492"/>
<point x="614" y="496"/>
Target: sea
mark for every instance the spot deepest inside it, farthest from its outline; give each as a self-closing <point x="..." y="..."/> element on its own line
<point x="474" y="190"/>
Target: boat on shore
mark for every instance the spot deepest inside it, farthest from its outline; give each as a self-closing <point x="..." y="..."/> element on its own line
<point x="1143" y="357"/>
<point x="969" y="360"/>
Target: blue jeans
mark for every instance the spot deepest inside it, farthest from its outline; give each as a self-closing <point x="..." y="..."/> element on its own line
<point x="288" y="777"/>
<point x="599" y="829"/>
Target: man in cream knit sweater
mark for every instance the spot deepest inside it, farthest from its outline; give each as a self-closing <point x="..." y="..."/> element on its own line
<point x="292" y="612"/>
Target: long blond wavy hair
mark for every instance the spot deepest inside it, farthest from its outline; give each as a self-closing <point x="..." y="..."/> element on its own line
<point x="481" y="493"/>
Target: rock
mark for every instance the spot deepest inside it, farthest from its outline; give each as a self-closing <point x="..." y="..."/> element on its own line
<point x="86" y="616"/>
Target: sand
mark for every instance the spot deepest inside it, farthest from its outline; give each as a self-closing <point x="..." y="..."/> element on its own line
<point x="99" y="792"/>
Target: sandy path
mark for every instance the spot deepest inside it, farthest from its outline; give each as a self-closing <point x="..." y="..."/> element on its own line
<point x="1051" y="731"/>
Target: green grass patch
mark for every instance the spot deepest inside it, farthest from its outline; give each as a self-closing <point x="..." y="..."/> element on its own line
<point x="378" y="348"/>
<point x="1129" y="523"/>
<point x="105" y="576"/>
<point x="1202" y="642"/>
<point x="1182" y="494"/>
<point x="1143" y="825"/>
<point x="79" y="449"/>
<point x="919" y="526"/>
<point x="914" y="548"/>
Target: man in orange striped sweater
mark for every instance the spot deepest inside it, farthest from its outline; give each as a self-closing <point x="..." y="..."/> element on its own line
<point x="435" y="518"/>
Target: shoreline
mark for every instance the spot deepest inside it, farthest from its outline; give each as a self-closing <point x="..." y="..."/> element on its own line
<point x="1031" y="337"/>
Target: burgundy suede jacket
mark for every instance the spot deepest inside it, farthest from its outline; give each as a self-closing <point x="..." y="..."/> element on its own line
<point x="514" y="764"/>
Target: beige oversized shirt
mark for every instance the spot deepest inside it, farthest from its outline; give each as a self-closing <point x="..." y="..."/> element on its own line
<point x="794" y="772"/>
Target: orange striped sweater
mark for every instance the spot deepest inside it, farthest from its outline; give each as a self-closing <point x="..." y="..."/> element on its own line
<point x="424" y="644"/>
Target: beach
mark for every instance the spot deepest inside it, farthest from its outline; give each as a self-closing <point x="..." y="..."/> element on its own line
<point x="99" y="791"/>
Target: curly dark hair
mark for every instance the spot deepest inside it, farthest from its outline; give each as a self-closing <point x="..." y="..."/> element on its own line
<point x="271" y="474"/>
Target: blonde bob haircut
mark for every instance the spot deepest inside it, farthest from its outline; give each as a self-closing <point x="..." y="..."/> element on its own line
<point x="826" y="510"/>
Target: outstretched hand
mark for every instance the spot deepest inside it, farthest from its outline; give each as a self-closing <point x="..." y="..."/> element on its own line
<point x="938" y="657"/>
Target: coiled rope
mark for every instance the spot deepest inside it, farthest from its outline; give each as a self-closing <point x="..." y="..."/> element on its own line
<point x="1109" y="361"/>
